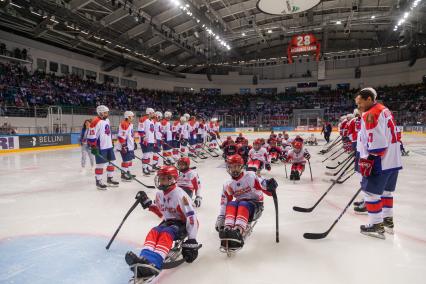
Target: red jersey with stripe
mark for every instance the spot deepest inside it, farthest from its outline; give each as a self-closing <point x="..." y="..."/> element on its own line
<point x="353" y="127"/>
<point x="247" y="187"/>
<point x="379" y="129"/>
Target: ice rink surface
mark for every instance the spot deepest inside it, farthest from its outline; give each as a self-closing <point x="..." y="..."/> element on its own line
<point x="54" y="225"/>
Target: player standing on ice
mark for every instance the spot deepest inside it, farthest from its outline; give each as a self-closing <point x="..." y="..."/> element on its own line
<point x="297" y="156"/>
<point x="189" y="180"/>
<point x="147" y="139"/>
<point x="379" y="164"/>
<point x="166" y="130"/>
<point x="241" y="203"/>
<point x="158" y="139"/>
<point x="100" y="141"/>
<point x="179" y="222"/>
<point x="213" y="132"/>
<point x="126" y="144"/>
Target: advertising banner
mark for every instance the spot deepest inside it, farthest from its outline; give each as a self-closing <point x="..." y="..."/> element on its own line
<point x="9" y="143"/>
<point x="44" y="140"/>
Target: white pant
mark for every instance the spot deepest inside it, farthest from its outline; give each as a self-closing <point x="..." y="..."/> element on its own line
<point x="85" y="151"/>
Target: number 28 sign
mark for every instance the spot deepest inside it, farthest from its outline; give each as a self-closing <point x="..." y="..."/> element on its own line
<point x="302" y="44"/>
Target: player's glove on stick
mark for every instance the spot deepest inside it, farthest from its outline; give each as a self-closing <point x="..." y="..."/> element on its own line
<point x="190" y="250"/>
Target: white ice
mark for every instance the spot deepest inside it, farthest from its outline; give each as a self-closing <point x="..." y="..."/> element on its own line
<point x="45" y="194"/>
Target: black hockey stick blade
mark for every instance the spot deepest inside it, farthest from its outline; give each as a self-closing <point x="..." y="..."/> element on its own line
<point x="277" y="229"/>
<point x="302" y="209"/>
<point x="315" y="236"/>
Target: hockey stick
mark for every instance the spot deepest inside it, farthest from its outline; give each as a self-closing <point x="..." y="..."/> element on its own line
<point x="345" y="179"/>
<point x="138" y="200"/>
<point x="317" y="236"/>
<point x="310" y="209"/>
<point x="333" y="146"/>
<point x="335" y="158"/>
<point x="277" y="229"/>
<point x="126" y="173"/>
<point x="195" y="161"/>
<point x="335" y="141"/>
<point x="208" y="152"/>
<point x="195" y="152"/>
<point x="310" y="170"/>
<point x="285" y="167"/>
<point x="331" y="155"/>
<point x="347" y="164"/>
<point x="339" y="163"/>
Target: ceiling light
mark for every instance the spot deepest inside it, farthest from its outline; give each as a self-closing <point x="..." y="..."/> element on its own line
<point x="373" y="17"/>
<point x="338" y="22"/>
<point x="243" y="34"/>
<point x="269" y="31"/>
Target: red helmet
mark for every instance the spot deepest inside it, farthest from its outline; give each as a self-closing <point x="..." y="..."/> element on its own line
<point x="262" y="141"/>
<point x="297" y="145"/>
<point x="229" y="138"/>
<point x="257" y="142"/>
<point x="235" y="160"/>
<point x="240" y="135"/>
<point x="168" y="171"/>
<point x="184" y="160"/>
<point x="273" y="142"/>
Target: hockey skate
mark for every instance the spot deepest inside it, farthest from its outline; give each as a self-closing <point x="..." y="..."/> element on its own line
<point x="125" y="177"/>
<point x="388" y="225"/>
<point x="111" y="182"/>
<point x="375" y="230"/>
<point x="361" y="209"/>
<point x="100" y="185"/>
<point x="146" y="172"/>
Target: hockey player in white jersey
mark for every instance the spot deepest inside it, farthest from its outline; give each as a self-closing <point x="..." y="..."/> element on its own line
<point x="146" y="132"/>
<point x="241" y="203"/>
<point x="184" y="136"/>
<point x="213" y="132"/>
<point x="189" y="180"/>
<point x="100" y="141"/>
<point x="379" y="163"/>
<point x="166" y="130"/>
<point x="258" y="158"/>
<point x="158" y="139"/>
<point x="297" y="156"/>
<point x="126" y="144"/>
<point x="179" y="224"/>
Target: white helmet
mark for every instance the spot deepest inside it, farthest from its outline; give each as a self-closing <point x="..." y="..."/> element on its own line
<point x="182" y="119"/>
<point x="149" y="110"/>
<point x="158" y="114"/>
<point x="349" y="116"/>
<point x="167" y="114"/>
<point x="343" y="117"/>
<point x="356" y="112"/>
<point x="101" y="109"/>
<point x="214" y="119"/>
<point x="128" y="113"/>
<point x="370" y="89"/>
<point x="187" y="116"/>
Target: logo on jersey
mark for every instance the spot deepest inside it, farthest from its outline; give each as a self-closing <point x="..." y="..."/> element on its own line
<point x="107" y="130"/>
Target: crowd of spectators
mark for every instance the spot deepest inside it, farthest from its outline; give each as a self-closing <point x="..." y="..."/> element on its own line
<point x="22" y="89"/>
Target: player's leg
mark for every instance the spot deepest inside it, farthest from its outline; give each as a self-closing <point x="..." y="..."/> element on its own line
<point x="387" y="201"/>
<point x="110" y="169"/>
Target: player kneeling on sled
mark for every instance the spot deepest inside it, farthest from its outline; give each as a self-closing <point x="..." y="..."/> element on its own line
<point x="179" y="227"/>
<point x="297" y="156"/>
<point x="188" y="180"/>
<point x="258" y="158"/>
<point x="241" y="204"/>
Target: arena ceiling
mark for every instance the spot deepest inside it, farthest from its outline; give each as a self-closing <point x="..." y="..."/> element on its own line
<point x="175" y="36"/>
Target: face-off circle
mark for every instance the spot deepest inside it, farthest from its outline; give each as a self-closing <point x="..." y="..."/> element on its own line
<point x="285" y="7"/>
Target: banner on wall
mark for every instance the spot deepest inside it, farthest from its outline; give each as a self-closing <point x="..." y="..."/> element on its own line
<point x="303" y="43"/>
<point x="9" y="143"/>
<point x="32" y="141"/>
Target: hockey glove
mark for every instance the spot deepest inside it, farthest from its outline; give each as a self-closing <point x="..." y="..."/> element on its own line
<point x="190" y="250"/>
<point x="94" y="150"/>
<point x="271" y="185"/>
<point x="220" y="223"/>
<point x="365" y="167"/>
<point x="268" y="167"/>
<point x="136" y="146"/>
<point x="144" y="199"/>
<point x="307" y="155"/>
<point x="197" y="201"/>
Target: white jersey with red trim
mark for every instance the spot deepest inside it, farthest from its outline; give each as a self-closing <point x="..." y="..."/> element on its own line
<point x="176" y="130"/>
<point x="175" y="204"/>
<point x="297" y="157"/>
<point x="125" y="135"/>
<point x="246" y="187"/>
<point x="261" y="155"/>
<point x="166" y="129"/>
<point x="342" y="127"/>
<point x="201" y="129"/>
<point x="157" y="130"/>
<point x="192" y="129"/>
<point x="100" y="133"/>
<point x="353" y="127"/>
<point x="184" y="130"/>
<point x="146" y="129"/>
<point x="379" y="127"/>
<point x="190" y="180"/>
<point x="213" y="127"/>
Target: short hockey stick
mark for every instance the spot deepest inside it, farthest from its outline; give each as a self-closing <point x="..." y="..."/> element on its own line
<point x="277" y="229"/>
<point x="310" y="170"/>
<point x="317" y="236"/>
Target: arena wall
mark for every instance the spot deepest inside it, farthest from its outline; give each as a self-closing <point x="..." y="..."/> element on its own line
<point x="376" y="75"/>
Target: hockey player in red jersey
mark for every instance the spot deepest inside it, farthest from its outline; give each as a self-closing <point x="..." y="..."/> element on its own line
<point x="241" y="203"/>
<point x="100" y="141"/>
<point x="274" y="151"/>
<point x="240" y="138"/>
<point x="126" y="144"/>
<point x="379" y="163"/>
<point x="297" y="156"/>
<point x="230" y="149"/>
<point x="189" y="180"/>
<point x="179" y="223"/>
<point x="244" y="150"/>
<point x="226" y="142"/>
<point x="258" y="158"/>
